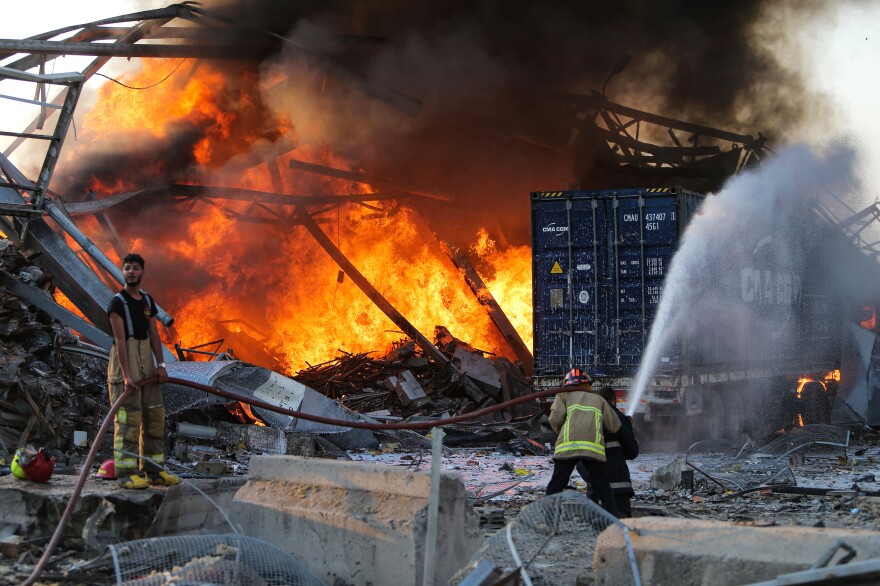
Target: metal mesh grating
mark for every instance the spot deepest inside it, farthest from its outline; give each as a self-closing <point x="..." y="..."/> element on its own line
<point x="227" y="559"/>
<point x="552" y="541"/>
<point x="744" y="467"/>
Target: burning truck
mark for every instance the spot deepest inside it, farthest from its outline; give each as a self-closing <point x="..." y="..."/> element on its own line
<point x="758" y="330"/>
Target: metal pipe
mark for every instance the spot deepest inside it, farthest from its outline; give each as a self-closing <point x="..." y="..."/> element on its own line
<point x="595" y="204"/>
<point x="93" y="251"/>
<point x="193" y="430"/>
<point x="570" y="291"/>
<point x="643" y="268"/>
<point x="433" y="506"/>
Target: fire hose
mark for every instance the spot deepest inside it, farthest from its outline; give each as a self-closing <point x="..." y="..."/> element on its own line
<point x="108" y="420"/>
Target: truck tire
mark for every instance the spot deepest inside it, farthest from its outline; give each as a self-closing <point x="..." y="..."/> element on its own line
<point x="734" y="415"/>
<point x="815" y="404"/>
<point x="709" y="425"/>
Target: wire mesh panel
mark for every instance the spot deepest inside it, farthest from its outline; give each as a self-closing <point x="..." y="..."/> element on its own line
<point x="552" y="541"/>
<point x="743" y="467"/>
<point x="227" y="559"/>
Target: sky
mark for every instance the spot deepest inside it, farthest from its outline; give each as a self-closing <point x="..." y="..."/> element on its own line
<point x="836" y="49"/>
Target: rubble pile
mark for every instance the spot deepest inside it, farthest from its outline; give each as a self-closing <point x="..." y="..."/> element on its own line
<point x="47" y="393"/>
<point x="405" y="382"/>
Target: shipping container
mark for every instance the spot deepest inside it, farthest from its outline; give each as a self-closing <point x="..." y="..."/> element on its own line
<point x="599" y="262"/>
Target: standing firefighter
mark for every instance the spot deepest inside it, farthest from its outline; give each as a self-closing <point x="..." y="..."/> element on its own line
<point x="619" y="447"/>
<point x="140" y="421"/>
<point x="580" y="418"/>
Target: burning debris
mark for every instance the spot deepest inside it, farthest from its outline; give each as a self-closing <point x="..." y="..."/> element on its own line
<point x="406" y="381"/>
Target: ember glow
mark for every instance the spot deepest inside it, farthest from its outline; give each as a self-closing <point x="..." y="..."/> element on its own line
<point x="221" y="262"/>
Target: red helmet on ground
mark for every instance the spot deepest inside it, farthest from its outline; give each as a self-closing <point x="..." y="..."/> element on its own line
<point x="40" y="466"/>
<point x="107" y="470"/>
<point x="576" y="376"/>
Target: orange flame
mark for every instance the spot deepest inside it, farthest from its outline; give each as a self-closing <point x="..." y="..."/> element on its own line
<point x="275" y="275"/>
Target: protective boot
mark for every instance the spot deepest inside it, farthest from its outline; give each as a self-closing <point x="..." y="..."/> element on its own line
<point x="163" y="478"/>
<point x="135" y="481"/>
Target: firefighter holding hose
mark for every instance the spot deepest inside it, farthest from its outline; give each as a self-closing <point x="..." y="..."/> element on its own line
<point x="140" y="423"/>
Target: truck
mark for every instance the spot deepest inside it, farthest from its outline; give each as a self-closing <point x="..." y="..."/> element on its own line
<point x="599" y="261"/>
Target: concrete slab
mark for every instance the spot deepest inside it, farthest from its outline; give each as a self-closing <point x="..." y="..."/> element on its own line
<point x="106" y="513"/>
<point x="353" y="522"/>
<point x="685" y="551"/>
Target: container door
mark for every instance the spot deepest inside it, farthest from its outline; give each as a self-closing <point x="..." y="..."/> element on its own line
<point x="564" y="284"/>
<point x="645" y="232"/>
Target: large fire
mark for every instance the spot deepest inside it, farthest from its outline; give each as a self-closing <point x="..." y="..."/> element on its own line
<point x="215" y="267"/>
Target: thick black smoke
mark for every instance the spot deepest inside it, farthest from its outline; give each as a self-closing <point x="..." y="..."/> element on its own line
<point x="435" y="94"/>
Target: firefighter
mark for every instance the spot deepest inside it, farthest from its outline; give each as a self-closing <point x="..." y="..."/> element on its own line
<point x="140" y="422"/>
<point x="619" y="447"/>
<point x="581" y="419"/>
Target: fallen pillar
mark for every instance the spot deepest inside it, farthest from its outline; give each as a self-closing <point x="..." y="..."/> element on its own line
<point x="686" y="551"/>
<point x="353" y="522"/>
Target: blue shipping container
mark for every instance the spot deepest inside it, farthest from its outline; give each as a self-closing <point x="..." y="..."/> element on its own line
<point x="598" y="262"/>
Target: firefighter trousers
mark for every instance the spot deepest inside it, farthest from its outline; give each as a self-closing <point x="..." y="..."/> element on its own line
<point x="139" y="429"/>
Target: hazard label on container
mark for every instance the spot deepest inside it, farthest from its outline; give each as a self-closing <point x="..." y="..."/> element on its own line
<point x="557" y="269"/>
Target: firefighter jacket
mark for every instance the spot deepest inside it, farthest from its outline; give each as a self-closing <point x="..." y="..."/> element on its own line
<point x="620" y="447"/>
<point x="581" y="419"/>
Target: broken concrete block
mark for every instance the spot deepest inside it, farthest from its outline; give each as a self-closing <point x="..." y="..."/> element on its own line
<point x="668" y="477"/>
<point x="353" y="522"/>
<point x="688" y="551"/>
<point x="255" y="438"/>
<point x="11" y="546"/>
<point x="408" y="389"/>
<point x="300" y="444"/>
<point x="477" y="367"/>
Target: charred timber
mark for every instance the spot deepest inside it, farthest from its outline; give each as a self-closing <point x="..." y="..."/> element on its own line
<point x="389" y="310"/>
<point x="385" y="306"/>
<point x="366" y="179"/>
<point x="228" y="193"/>
<point x="487" y="300"/>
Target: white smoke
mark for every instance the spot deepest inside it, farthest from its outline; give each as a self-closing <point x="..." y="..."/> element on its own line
<point x="761" y="219"/>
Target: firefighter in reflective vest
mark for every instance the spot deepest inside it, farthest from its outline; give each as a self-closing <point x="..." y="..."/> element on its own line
<point x="619" y="447"/>
<point x="581" y="418"/>
<point x="140" y="422"/>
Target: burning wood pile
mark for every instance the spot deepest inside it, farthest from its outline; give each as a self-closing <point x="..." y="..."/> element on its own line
<point x="47" y="394"/>
<point x="406" y="382"/>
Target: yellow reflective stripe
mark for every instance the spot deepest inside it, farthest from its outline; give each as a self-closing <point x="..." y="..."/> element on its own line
<point x="121" y="415"/>
<point x="588" y="408"/>
<point x="157" y="458"/>
<point x="572" y="446"/>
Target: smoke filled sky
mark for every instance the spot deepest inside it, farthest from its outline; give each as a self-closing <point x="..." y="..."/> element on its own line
<point x="832" y="47"/>
<point x="791" y="70"/>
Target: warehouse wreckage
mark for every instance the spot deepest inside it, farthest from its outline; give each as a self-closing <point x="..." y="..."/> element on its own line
<point x="53" y="380"/>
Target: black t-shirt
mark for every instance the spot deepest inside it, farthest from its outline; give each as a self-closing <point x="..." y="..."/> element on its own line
<point x="140" y="314"/>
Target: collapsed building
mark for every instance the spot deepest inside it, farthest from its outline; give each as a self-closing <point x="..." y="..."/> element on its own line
<point x="231" y="174"/>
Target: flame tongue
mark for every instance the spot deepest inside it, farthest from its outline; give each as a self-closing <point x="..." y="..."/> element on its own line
<point x="236" y="261"/>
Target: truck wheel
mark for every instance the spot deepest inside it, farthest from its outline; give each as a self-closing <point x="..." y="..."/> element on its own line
<point x="734" y="415"/>
<point x="710" y="423"/>
<point x="713" y="407"/>
<point x="816" y="404"/>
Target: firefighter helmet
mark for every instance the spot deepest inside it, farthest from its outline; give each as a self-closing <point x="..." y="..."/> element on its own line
<point x="33" y="464"/>
<point x="17" y="470"/>
<point x="107" y="471"/>
<point x="576" y="376"/>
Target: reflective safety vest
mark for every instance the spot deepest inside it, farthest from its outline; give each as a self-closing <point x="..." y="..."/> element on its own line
<point x="581" y="418"/>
